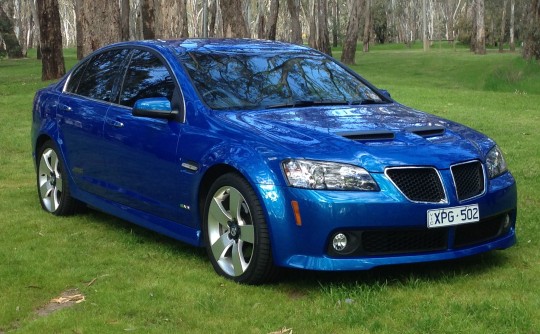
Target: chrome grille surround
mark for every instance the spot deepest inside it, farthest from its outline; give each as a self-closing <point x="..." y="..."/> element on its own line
<point x="418" y="184"/>
<point x="469" y="179"/>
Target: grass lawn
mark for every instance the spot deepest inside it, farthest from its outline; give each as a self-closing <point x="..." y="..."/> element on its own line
<point x="137" y="281"/>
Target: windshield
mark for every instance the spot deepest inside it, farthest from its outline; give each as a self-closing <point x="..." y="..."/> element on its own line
<point x="271" y="80"/>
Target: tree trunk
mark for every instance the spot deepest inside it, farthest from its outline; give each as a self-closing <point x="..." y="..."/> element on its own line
<point x="51" y="40"/>
<point x="7" y="32"/>
<point x="36" y="32"/>
<point x="351" y="38"/>
<point x="410" y="19"/>
<point x="100" y="24"/>
<point x="234" y="24"/>
<point x="148" y="19"/>
<point x="125" y="10"/>
<point x="323" y="33"/>
<point x="170" y="19"/>
<point x="296" y="27"/>
<point x="271" y="28"/>
<point x="480" y="29"/>
<point x="474" y="18"/>
<point x="367" y="26"/>
<point x="212" y="12"/>
<point x="424" y="26"/>
<point x="335" y="23"/>
<point x="23" y="22"/>
<point x="312" y="39"/>
<point x="503" y="26"/>
<point x="512" y="15"/>
<point x="79" y="27"/>
<point x="261" y="19"/>
<point x="531" y="42"/>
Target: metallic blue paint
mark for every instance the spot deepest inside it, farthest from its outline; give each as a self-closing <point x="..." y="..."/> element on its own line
<point x="131" y="167"/>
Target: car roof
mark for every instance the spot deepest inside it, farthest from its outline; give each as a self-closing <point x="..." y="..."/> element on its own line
<point x="218" y="45"/>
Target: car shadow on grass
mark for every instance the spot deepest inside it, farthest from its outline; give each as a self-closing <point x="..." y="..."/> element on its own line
<point x="403" y="274"/>
<point x="385" y="275"/>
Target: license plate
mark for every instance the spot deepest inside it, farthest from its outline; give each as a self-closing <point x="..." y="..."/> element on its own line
<point x="453" y="216"/>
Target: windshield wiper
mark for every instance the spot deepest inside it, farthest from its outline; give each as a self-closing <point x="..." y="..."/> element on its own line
<point x="372" y="101"/>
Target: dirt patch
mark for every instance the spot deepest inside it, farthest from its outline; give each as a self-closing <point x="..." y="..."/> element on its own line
<point x="66" y="299"/>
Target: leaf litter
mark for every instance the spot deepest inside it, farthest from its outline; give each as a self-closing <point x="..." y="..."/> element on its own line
<point x="66" y="299"/>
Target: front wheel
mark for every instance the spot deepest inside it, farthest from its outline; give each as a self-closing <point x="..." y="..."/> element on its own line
<point x="53" y="188"/>
<point x="235" y="232"/>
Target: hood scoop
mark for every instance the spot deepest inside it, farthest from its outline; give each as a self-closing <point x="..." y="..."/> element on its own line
<point x="427" y="131"/>
<point x="371" y="135"/>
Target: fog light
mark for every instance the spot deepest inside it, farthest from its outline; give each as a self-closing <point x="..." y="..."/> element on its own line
<point x="339" y="242"/>
<point x="506" y="223"/>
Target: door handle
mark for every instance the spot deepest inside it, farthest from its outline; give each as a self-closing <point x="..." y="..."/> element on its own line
<point x="65" y="108"/>
<point x="115" y="123"/>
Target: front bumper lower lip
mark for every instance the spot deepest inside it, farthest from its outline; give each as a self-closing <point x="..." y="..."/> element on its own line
<point x="325" y="263"/>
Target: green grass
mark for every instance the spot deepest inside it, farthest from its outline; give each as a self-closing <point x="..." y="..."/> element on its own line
<point x="137" y="281"/>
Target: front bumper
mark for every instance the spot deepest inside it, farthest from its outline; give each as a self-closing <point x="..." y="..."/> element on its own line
<point x="325" y="213"/>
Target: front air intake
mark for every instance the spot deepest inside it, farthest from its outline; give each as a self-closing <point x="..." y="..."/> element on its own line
<point x="418" y="184"/>
<point x="468" y="179"/>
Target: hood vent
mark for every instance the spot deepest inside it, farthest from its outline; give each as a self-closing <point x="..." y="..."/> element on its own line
<point x="372" y="135"/>
<point x="427" y="131"/>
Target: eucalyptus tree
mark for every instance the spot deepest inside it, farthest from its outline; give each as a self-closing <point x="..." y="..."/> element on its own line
<point x="234" y="24"/>
<point x="7" y="34"/>
<point x="296" y="27"/>
<point x="99" y="23"/>
<point x="52" y="58"/>
<point x="531" y="42"/>
<point x="351" y="36"/>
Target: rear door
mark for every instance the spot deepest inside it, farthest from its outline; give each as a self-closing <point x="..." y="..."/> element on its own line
<point x="81" y="113"/>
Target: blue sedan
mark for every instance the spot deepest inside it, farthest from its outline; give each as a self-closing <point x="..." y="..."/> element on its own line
<point x="269" y="155"/>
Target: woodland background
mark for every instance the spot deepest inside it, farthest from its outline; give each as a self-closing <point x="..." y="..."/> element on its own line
<point x="51" y="25"/>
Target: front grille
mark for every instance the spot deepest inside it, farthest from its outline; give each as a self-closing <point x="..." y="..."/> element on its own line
<point x="475" y="233"/>
<point x="421" y="184"/>
<point x="468" y="179"/>
<point x="412" y="241"/>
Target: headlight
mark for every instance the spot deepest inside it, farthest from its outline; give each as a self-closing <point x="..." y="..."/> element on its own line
<point x="311" y="174"/>
<point x="496" y="165"/>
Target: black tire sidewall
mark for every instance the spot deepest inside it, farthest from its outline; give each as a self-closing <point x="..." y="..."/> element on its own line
<point x="67" y="203"/>
<point x="260" y="261"/>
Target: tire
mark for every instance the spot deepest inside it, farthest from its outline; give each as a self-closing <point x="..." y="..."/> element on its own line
<point x="52" y="184"/>
<point x="235" y="232"/>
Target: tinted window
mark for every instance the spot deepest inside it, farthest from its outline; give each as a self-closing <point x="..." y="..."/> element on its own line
<point x="266" y="80"/>
<point x="100" y="75"/>
<point x="145" y="77"/>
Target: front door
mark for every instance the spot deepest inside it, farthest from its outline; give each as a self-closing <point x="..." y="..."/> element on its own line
<point x="143" y="170"/>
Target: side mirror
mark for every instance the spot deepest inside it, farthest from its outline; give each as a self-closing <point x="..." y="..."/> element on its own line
<point x="385" y="93"/>
<point x="154" y="107"/>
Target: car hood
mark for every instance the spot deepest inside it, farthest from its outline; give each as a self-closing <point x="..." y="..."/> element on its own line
<point x="373" y="136"/>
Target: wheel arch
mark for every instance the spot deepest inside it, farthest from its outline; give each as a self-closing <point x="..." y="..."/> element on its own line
<point x="209" y="177"/>
<point x="40" y="141"/>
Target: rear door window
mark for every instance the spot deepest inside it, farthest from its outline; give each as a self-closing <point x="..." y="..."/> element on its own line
<point x="100" y="74"/>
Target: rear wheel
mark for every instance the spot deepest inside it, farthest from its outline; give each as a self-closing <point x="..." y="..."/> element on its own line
<point x="235" y="231"/>
<point x="53" y="188"/>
